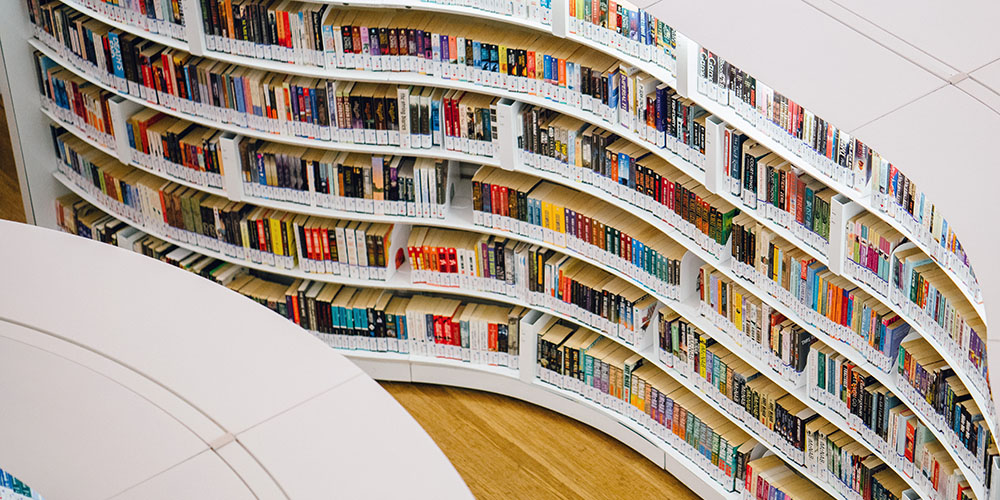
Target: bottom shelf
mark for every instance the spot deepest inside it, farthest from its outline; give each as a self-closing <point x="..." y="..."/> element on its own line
<point x="508" y="382"/>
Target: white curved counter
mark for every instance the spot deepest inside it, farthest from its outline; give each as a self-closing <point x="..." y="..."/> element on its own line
<point x="184" y="390"/>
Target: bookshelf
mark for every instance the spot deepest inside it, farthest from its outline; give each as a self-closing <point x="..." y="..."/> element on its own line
<point x="677" y="67"/>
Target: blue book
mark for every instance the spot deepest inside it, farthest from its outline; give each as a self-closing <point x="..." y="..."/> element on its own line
<point x="477" y="58"/>
<point x="116" y="54"/>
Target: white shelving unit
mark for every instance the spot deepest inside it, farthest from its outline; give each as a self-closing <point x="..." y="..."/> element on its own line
<point x="45" y="183"/>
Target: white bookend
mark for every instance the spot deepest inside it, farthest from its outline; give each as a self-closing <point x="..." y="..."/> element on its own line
<point x="508" y="116"/>
<point x="194" y="30"/>
<point x="687" y="66"/>
<point x="560" y="18"/>
<point x="531" y="323"/>
<point x="841" y="210"/>
<point x="232" y="166"/>
<point x="715" y="132"/>
<point x="121" y="109"/>
<point x="397" y="247"/>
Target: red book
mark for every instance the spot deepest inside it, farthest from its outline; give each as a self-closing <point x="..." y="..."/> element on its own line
<point x="911" y="439"/>
<point x="262" y="244"/>
<point x="492" y="337"/>
<point x="531" y="64"/>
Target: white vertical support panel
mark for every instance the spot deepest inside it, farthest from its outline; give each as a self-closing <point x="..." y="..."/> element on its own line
<point x="31" y="140"/>
<point x="690" y="265"/>
<point x="560" y="17"/>
<point x="194" y="27"/>
<point x="121" y="109"/>
<point x="397" y="248"/>
<point x="687" y="66"/>
<point x="841" y="210"/>
<point x="232" y="171"/>
<point x="715" y="148"/>
<point x="528" y="344"/>
<point x="507" y="131"/>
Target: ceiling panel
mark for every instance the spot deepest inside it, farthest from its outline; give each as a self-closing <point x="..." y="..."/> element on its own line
<point x="944" y="142"/>
<point x="325" y="448"/>
<point x="72" y="433"/>
<point x="962" y="33"/>
<point x="989" y="75"/>
<point x="805" y="54"/>
<point x="204" y="476"/>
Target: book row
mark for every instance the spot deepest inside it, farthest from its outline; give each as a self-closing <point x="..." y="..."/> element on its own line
<point x="898" y="197"/>
<point x="313" y="108"/>
<point x="806" y="438"/>
<point x="628" y="172"/>
<point x="942" y="396"/>
<point x="540" y="210"/>
<point x="175" y="146"/>
<point x="675" y="123"/>
<point x="353" y="182"/>
<point x="12" y="487"/>
<point x="236" y="229"/>
<point x="163" y="17"/>
<point x="834" y="152"/>
<point x="346" y="317"/>
<point x="920" y="287"/>
<point x="774" y="188"/>
<point x="76" y="101"/>
<point x="625" y="28"/>
<point x="532" y="274"/>
<point x="818" y="296"/>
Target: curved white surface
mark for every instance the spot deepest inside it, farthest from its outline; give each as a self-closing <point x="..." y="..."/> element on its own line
<point x="127" y="390"/>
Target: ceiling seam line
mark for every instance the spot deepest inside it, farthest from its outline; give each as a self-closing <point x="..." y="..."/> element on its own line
<point x="884" y="46"/>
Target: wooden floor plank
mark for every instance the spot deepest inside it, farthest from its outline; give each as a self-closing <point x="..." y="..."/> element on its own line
<point x="505" y="448"/>
<point x="11" y="207"/>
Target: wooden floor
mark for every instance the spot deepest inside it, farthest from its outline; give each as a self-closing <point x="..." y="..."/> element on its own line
<point x="502" y="447"/>
<point x="11" y="207"/>
<point x="505" y="448"/>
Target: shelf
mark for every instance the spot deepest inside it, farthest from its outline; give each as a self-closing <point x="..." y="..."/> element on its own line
<point x="418" y="79"/>
<point x="730" y="116"/>
<point x="438" y="153"/>
<point x="571" y="404"/>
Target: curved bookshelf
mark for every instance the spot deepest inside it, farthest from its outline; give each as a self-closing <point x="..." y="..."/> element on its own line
<point x="461" y="219"/>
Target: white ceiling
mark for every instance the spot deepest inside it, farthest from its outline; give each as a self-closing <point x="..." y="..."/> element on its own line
<point x="959" y="33"/>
